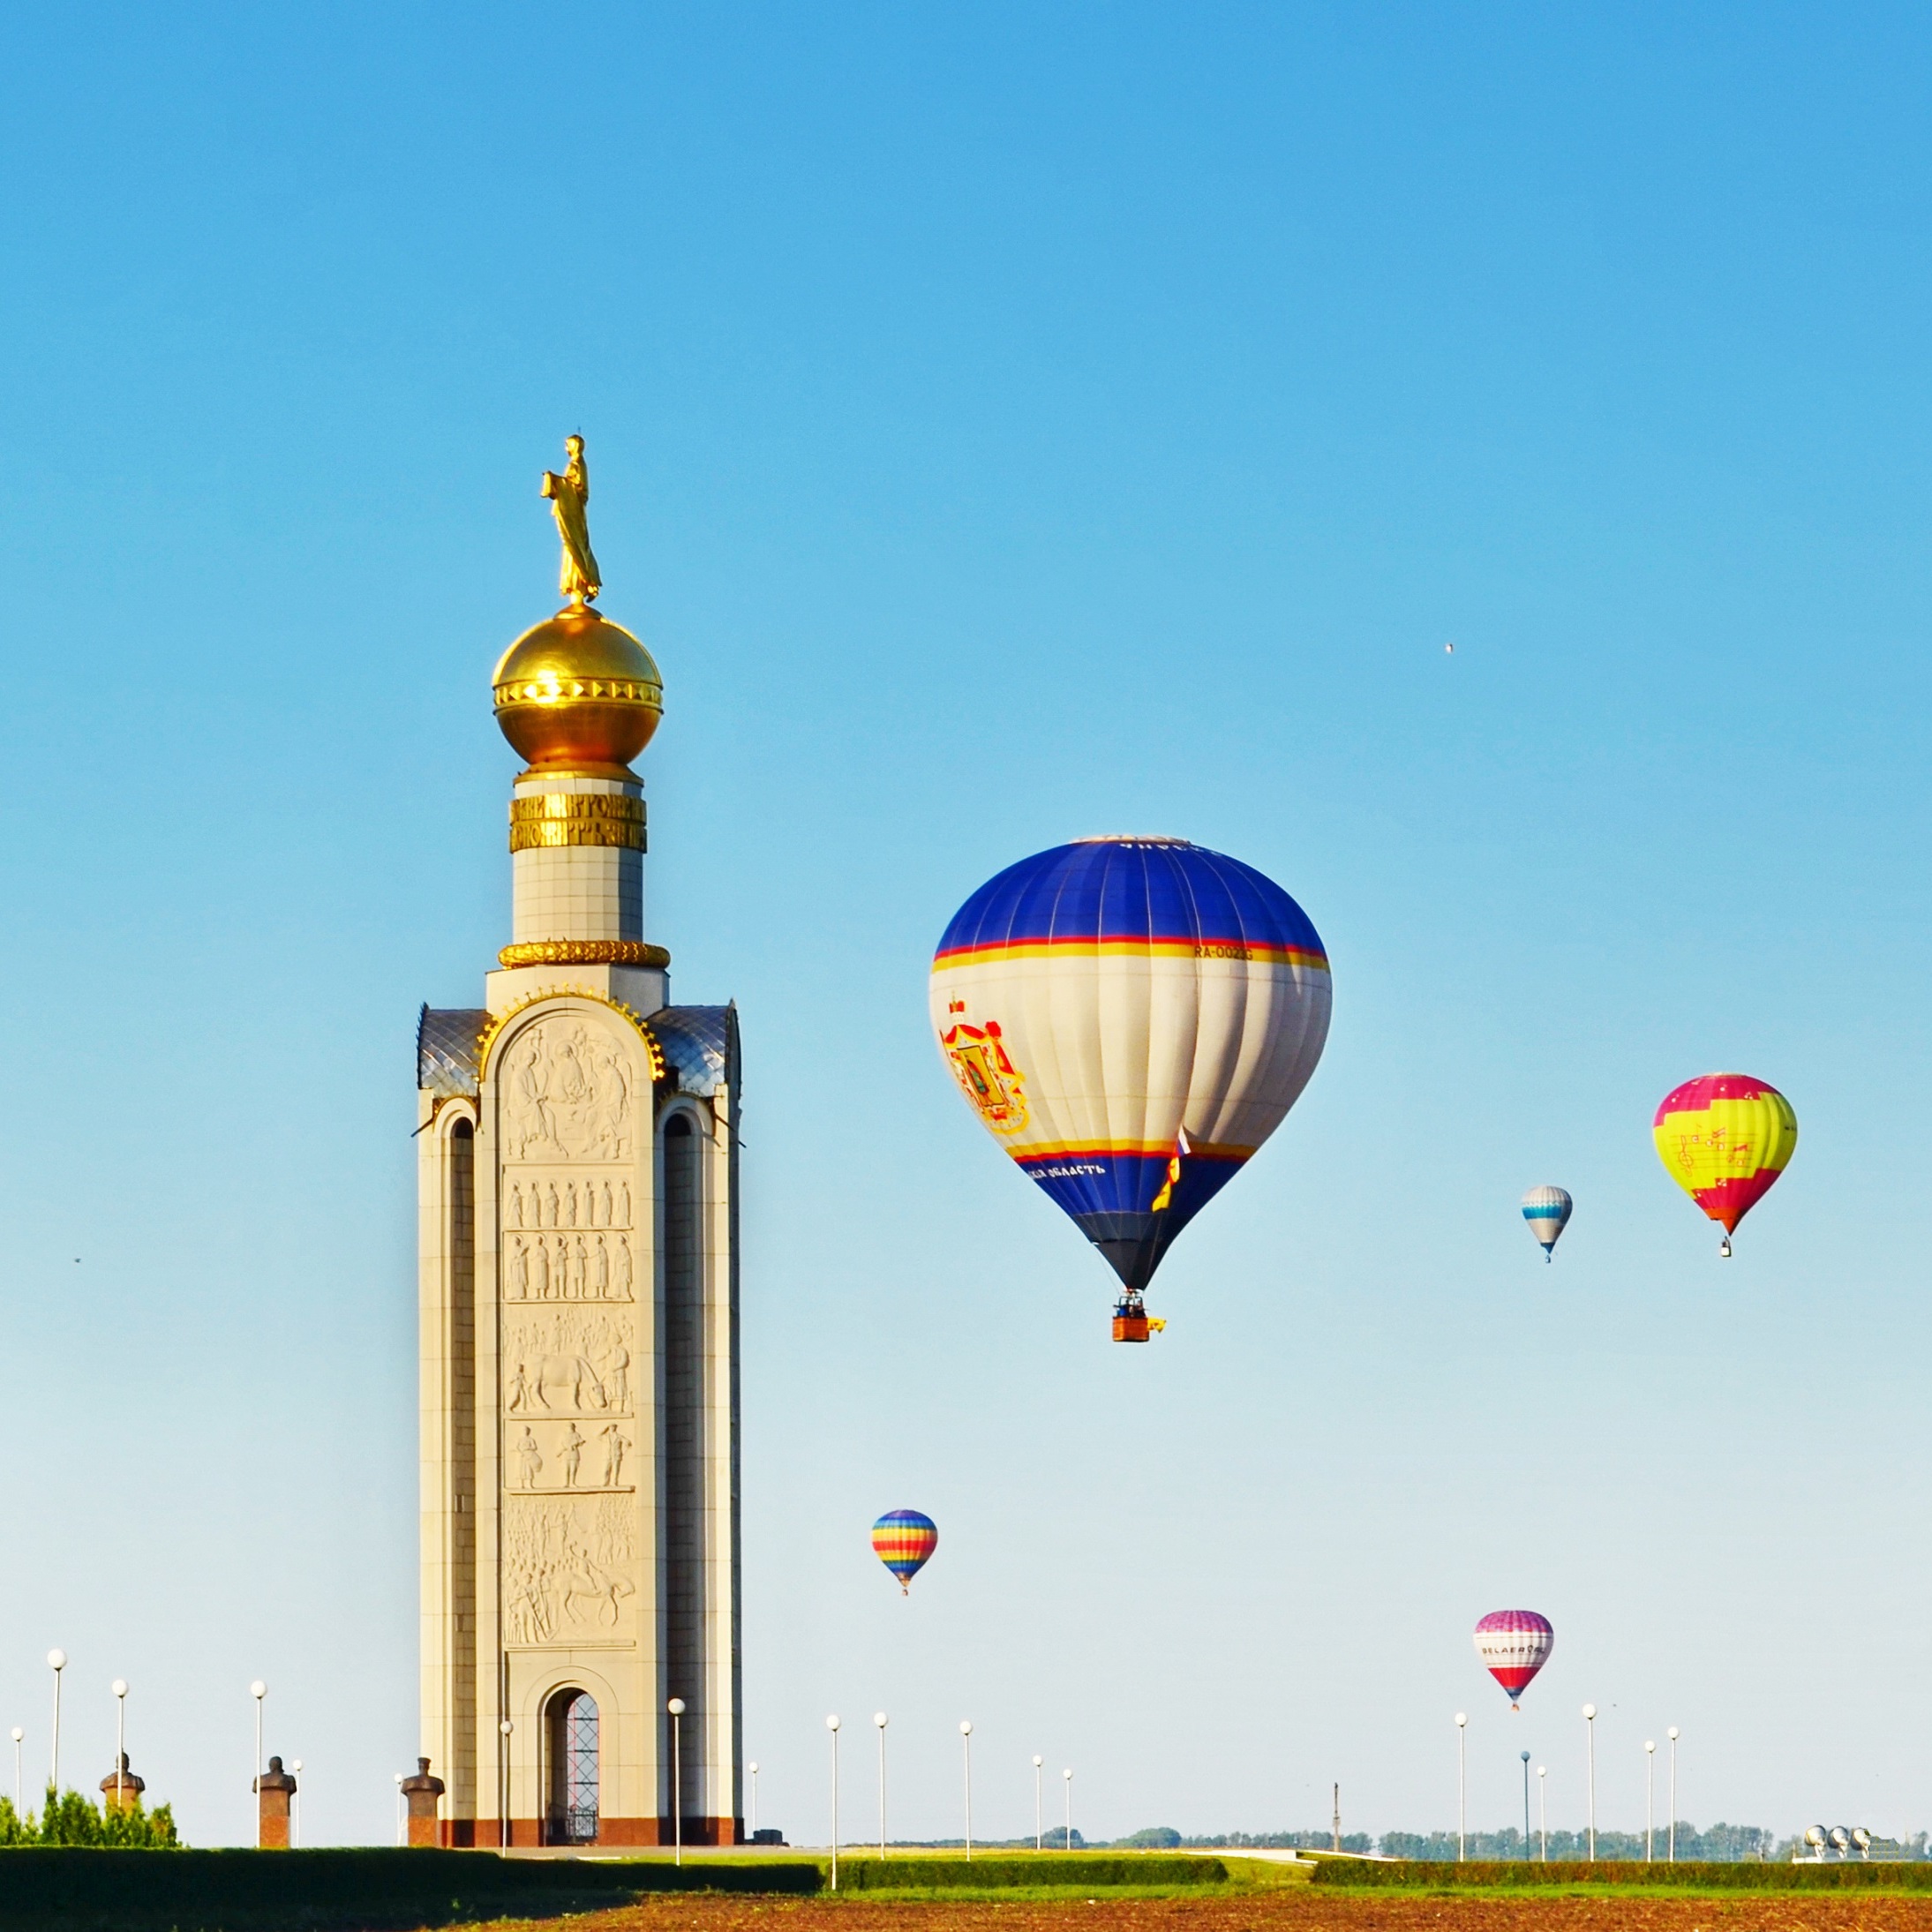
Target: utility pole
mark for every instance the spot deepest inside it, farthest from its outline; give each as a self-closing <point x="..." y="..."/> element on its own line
<point x="1337" y="1826"/>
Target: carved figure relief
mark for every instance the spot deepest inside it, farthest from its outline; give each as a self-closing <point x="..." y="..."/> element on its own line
<point x="567" y="1270"/>
<point x="566" y="1203"/>
<point x="566" y="1094"/>
<point x="616" y="1442"/>
<point x="546" y="1458"/>
<point x="565" y="1566"/>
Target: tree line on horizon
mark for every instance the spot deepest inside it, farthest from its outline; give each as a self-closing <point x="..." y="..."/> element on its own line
<point x="1723" y="1844"/>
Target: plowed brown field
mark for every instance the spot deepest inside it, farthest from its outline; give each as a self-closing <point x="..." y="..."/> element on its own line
<point x="1302" y="1909"/>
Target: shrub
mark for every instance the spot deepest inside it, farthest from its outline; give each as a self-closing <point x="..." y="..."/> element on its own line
<point x="68" y="1818"/>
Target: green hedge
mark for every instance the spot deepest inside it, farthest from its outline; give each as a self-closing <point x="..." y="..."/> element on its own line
<point x="1704" y="1875"/>
<point x="1066" y="1868"/>
<point x="349" y="1891"/>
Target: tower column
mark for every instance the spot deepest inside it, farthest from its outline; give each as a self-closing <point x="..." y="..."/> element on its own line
<point x="579" y="1322"/>
<point x="577" y="858"/>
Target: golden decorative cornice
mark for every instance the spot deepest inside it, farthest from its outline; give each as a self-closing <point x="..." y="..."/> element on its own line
<point x="618" y="952"/>
<point x="577" y="818"/>
<point x="493" y="1031"/>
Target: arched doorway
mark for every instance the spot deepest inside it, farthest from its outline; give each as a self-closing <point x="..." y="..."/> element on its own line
<point x="570" y="1727"/>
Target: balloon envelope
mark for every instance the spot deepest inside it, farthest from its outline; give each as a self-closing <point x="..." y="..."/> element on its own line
<point x="1514" y="1645"/>
<point x="902" y="1539"/>
<point x="1130" y="1018"/>
<point x="1547" y="1210"/>
<point x="1725" y="1138"/>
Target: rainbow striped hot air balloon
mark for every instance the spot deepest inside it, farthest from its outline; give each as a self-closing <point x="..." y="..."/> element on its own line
<point x="1547" y="1210"/>
<point x="902" y="1539"/>
<point x="1725" y="1138"/>
<point x="1130" y="1018"/>
<point x="1514" y="1645"/>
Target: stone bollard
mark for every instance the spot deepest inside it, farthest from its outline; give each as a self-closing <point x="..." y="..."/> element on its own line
<point x="425" y="1795"/>
<point x="273" y="1789"/>
<point x="121" y="1789"/>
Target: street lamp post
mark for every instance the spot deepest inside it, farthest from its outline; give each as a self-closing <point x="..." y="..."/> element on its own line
<point x="401" y="1837"/>
<point x="1650" y="1766"/>
<point x="831" y="1725"/>
<point x="966" y="1742"/>
<point x="1526" y="1804"/>
<point x="752" y="1767"/>
<point x="57" y="1662"/>
<point x="258" y="1690"/>
<point x="1037" y="1762"/>
<point x="19" y="1738"/>
<point x="1589" y="1734"/>
<point x="676" y="1708"/>
<point x="1543" y="1809"/>
<point x="1462" y="1781"/>
<point x="504" y="1732"/>
<point x="1671" y="1735"/>
<point x="880" y="1720"/>
<point x="1067" y="1776"/>
<point x="295" y="1804"/>
<point x="119" y="1688"/>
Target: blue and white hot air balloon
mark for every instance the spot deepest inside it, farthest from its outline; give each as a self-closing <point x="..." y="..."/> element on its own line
<point x="1547" y="1210"/>
<point x="1130" y="1018"/>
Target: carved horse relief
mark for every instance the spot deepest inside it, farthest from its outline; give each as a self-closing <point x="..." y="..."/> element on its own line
<point x="565" y="1564"/>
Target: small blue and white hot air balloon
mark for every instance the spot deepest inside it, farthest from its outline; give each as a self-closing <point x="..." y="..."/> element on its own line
<point x="1547" y="1210"/>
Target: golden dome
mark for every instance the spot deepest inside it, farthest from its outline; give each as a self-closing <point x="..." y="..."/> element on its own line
<point x="577" y="693"/>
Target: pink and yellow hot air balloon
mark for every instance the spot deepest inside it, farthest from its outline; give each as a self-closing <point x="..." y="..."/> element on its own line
<point x="1724" y="1138"/>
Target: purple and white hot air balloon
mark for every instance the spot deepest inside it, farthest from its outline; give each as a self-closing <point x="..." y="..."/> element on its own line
<point x="1514" y="1645"/>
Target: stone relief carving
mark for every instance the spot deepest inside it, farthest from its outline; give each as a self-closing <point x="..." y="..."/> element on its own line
<point x="564" y="1565"/>
<point x="547" y="1454"/>
<point x="565" y="1269"/>
<point x="565" y="1364"/>
<point x="616" y="1442"/>
<point x="538" y="1204"/>
<point x="566" y="1096"/>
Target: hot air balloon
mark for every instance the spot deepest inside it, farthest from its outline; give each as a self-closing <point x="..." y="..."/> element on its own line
<point x="1547" y="1210"/>
<point x="902" y="1539"/>
<point x="1514" y="1645"/>
<point x="1130" y="1018"/>
<point x="1724" y="1138"/>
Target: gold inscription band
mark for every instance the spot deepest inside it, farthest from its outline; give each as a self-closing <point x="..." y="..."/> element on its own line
<point x="577" y="818"/>
<point x="628" y="953"/>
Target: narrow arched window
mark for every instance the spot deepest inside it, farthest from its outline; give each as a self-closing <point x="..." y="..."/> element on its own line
<point x="572" y="1725"/>
<point x="686" y="1519"/>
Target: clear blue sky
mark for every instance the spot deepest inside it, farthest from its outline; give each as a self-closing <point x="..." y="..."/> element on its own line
<point x="1006" y="425"/>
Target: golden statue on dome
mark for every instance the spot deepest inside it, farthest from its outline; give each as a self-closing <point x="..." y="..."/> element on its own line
<point x="578" y="693"/>
<point x="570" y="497"/>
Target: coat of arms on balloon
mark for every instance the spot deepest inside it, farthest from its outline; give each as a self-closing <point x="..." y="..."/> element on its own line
<point x="987" y="1076"/>
<point x="1166" y="1005"/>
